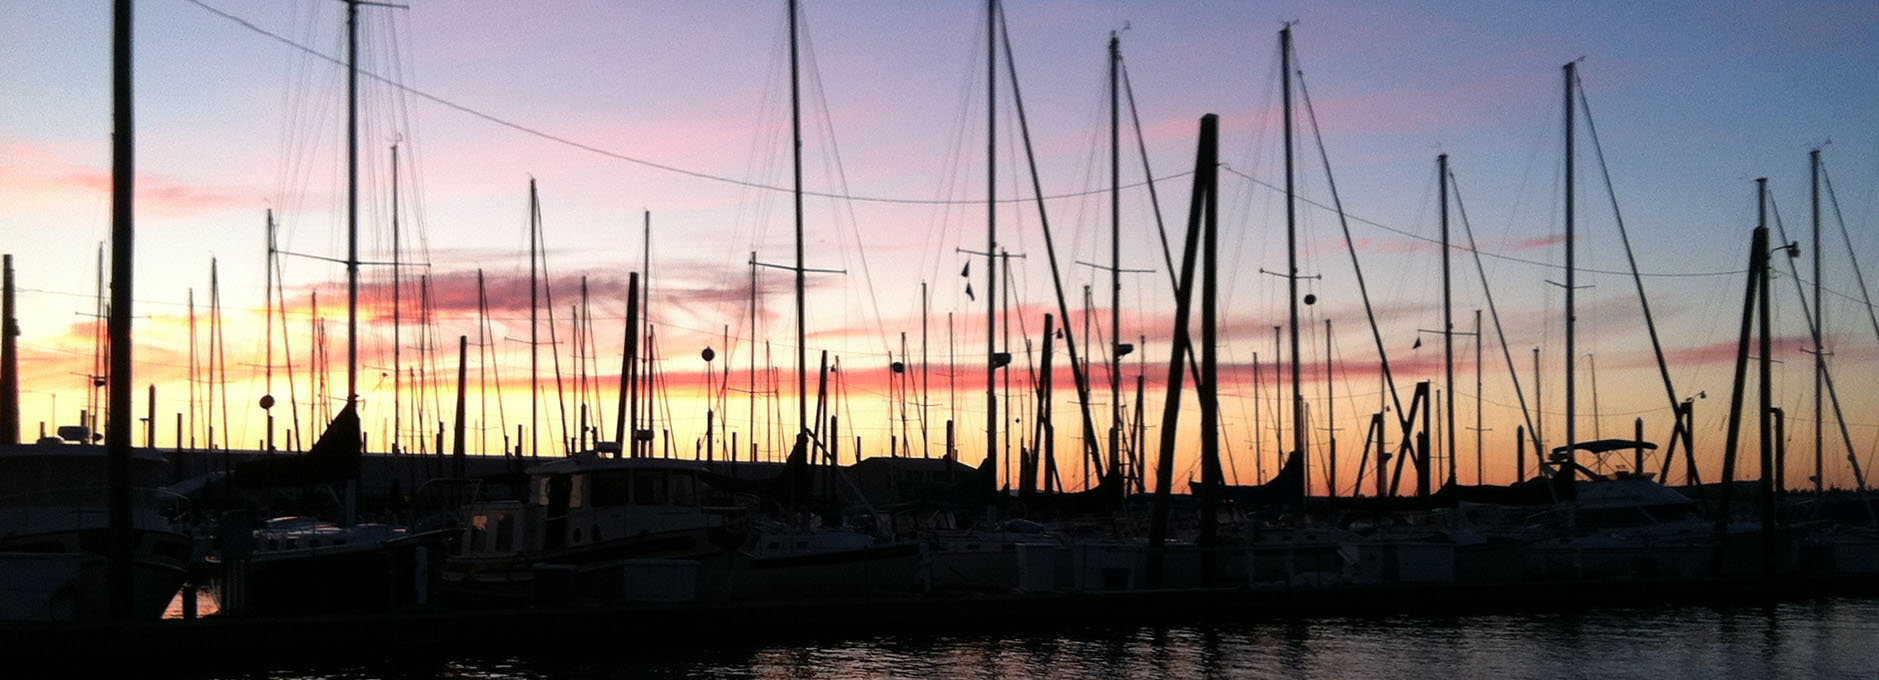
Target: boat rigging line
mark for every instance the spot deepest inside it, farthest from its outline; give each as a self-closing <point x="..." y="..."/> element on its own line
<point x="1050" y="248"/>
<point x="1624" y="236"/>
<point x="552" y="137"/>
<point x="1859" y="476"/>
<point x="1461" y="210"/>
<point x="1826" y="180"/>
<point x="1148" y="183"/>
<point x="1405" y="419"/>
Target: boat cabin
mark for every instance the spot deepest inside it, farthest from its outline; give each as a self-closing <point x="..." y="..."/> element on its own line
<point x="587" y="500"/>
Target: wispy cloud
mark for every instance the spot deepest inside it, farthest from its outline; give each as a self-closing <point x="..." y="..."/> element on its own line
<point x="40" y="168"/>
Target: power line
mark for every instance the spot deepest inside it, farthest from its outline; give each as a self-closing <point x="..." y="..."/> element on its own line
<point x="543" y="134"/>
<point x="1464" y="249"/>
<point x="525" y="129"/>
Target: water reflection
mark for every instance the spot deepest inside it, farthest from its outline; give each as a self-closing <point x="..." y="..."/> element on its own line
<point x="1817" y="639"/>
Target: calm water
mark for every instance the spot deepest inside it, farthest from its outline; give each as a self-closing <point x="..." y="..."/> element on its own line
<point x="1836" y="638"/>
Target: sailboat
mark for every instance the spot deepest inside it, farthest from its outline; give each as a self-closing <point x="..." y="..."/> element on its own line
<point x="1579" y="524"/>
<point x="304" y="565"/>
<point x="1286" y="490"/>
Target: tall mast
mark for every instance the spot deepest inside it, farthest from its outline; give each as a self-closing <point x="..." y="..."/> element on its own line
<point x="1278" y="392"/>
<point x="1448" y="323"/>
<point x="751" y="390"/>
<point x="534" y="325"/>
<point x="267" y="316"/>
<point x="117" y="431"/>
<point x="926" y="391"/>
<point x="1820" y="356"/>
<point x="1291" y="246"/>
<point x="991" y="232"/>
<point x="1765" y="401"/>
<point x="1571" y="400"/>
<point x="629" y="385"/>
<point x="397" y="318"/>
<point x="9" y="364"/>
<point x="645" y="313"/>
<point x="795" y="123"/>
<point x="1478" y="468"/>
<point x="1538" y="395"/>
<point x="352" y="202"/>
<point x="1330" y="416"/>
<point x="1115" y="254"/>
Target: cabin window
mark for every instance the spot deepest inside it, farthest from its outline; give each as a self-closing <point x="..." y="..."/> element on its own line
<point x="608" y="490"/>
<point x="576" y="488"/>
<point x="649" y="488"/>
<point x="479" y="533"/>
<point x="540" y="492"/>
<point x="683" y="491"/>
<point x="505" y="533"/>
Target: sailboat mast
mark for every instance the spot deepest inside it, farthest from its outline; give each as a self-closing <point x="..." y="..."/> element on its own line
<point x="1479" y="470"/>
<point x="645" y="312"/>
<point x="9" y="363"/>
<point x="926" y="391"/>
<point x="397" y="318"/>
<point x="751" y="387"/>
<point x="1448" y="322"/>
<point x="1571" y="400"/>
<point x="267" y="316"/>
<point x="795" y="123"/>
<point x="629" y="384"/>
<point x="1115" y="253"/>
<point x="952" y="388"/>
<point x="1820" y="356"/>
<point x="119" y="577"/>
<point x="352" y="202"/>
<point x="991" y="231"/>
<point x="534" y="327"/>
<point x="1764" y="391"/>
<point x="1291" y="247"/>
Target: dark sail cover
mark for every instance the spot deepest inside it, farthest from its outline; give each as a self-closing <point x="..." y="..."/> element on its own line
<point x="1285" y="489"/>
<point x="793" y="484"/>
<point x="1105" y="497"/>
<point x="334" y="458"/>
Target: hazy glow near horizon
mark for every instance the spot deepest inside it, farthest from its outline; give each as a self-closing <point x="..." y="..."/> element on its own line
<point x="672" y="118"/>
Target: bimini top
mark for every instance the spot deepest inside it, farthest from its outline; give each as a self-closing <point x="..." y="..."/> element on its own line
<point x="1606" y="445"/>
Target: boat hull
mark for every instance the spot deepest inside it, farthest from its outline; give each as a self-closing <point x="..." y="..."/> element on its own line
<point x="389" y="575"/>
<point x="65" y="576"/>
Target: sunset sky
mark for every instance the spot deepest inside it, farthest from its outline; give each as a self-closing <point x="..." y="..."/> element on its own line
<point x="680" y="111"/>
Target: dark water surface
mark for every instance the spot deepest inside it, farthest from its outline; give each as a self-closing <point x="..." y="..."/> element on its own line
<point x="1828" y="638"/>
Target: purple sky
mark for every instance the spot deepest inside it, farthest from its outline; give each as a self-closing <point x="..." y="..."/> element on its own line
<point x="1692" y="101"/>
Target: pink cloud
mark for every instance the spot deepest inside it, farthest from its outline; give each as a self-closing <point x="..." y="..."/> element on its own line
<point x="42" y="168"/>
